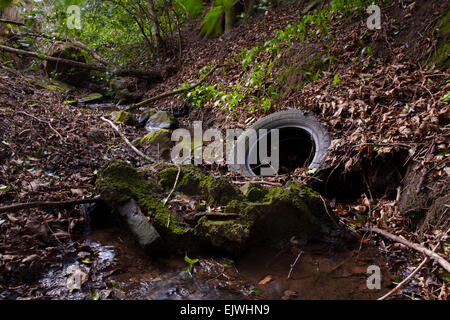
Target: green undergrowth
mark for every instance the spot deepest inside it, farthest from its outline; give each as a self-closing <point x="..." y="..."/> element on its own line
<point x="265" y="74"/>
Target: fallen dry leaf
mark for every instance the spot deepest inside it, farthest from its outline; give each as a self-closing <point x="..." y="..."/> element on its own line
<point x="266" y="279"/>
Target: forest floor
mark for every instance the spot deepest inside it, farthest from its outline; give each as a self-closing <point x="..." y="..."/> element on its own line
<point x="51" y="151"/>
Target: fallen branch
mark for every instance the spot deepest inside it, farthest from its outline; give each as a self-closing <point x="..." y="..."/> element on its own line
<point x="150" y="75"/>
<point x="126" y="140"/>
<point x="444" y="263"/>
<point x="326" y="209"/>
<point x="170" y="193"/>
<point x="406" y="280"/>
<point x="48" y="123"/>
<point x="17" y="23"/>
<point x="174" y="92"/>
<point x="293" y="265"/>
<point x="275" y="184"/>
<point x="76" y="43"/>
<point x="45" y="204"/>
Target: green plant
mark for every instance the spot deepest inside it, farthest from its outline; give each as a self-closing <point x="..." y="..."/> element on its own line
<point x="446" y="97"/>
<point x="191" y="262"/>
<point x="336" y="80"/>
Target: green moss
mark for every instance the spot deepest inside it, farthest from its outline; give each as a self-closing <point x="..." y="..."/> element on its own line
<point x="283" y="212"/>
<point x="91" y="97"/>
<point x="125" y="117"/>
<point x="160" y="136"/>
<point x="219" y="190"/>
<point x="254" y="191"/>
<point x="72" y="103"/>
<point x="146" y="115"/>
<point x="119" y="182"/>
<point x="226" y="234"/>
<point x="441" y="57"/>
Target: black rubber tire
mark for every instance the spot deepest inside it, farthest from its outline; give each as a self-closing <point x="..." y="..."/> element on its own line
<point x="292" y="118"/>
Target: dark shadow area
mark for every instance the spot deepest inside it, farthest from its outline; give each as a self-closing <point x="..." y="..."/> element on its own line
<point x="296" y="150"/>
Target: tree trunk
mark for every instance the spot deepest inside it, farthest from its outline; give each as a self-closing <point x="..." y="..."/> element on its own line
<point x="229" y="19"/>
<point x="150" y="75"/>
<point x="155" y="26"/>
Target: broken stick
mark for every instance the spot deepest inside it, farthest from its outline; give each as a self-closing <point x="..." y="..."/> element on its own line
<point x="433" y="255"/>
<point x="174" y="92"/>
<point x="127" y="141"/>
<point x="45" y="204"/>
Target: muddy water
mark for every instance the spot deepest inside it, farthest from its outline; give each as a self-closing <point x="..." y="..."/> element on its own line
<point x="118" y="269"/>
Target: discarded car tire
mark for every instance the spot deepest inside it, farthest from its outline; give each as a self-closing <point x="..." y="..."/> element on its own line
<point x="302" y="138"/>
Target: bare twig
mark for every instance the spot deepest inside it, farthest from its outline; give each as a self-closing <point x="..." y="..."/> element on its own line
<point x="45" y="204"/>
<point x="275" y="184"/>
<point x="174" y="92"/>
<point x="406" y="280"/>
<point x="127" y="141"/>
<point x="444" y="263"/>
<point x="17" y="23"/>
<point x="326" y="209"/>
<point x="293" y="265"/>
<point x="170" y="193"/>
<point x="48" y="123"/>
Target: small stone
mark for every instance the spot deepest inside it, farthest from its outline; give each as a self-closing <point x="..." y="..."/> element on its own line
<point x="126" y="118"/>
<point x="157" y="140"/>
<point x="124" y="96"/>
<point x="161" y="120"/>
<point x="91" y="98"/>
<point x="146" y="115"/>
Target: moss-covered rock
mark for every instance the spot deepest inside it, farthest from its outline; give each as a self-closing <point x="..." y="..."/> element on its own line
<point x="73" y="75"/>
<point x="146" y="115"/>
<point x="253" y="191"/>
<point x="118" y="182"/>
<point x="161" y="120"/>
<point x="156" y="141"/>
<point x="219" y="191"/>
<point x="292" y="210"/>
<point x="215" y="190"/>
<point x="119" y="83"/>
<point x="125" y="96"/>
<point x="229" y="235"/>
<point x="93" y="97"/>
<point x="126" y="118"/>
<point x="276" y="214"/>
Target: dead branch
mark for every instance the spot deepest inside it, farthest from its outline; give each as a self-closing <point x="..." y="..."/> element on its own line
<point x="444" y="263"/>
<point x="149" y="75"/>
<point x="45" y="204"/>
<point x="126" y="140"/>
<point x="174" y="92"/>
<point x="274" y="184"/>
<point x="406" y="280"/>
<point x="17" y="23"/>
<point x="293" y="265"/>
<point x="171" y="191"/>
<point x="48" y="123"/>
<point x="76" y="43"/>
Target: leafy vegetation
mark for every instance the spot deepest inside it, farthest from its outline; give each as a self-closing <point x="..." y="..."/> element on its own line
<point x="262" y="85"/>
